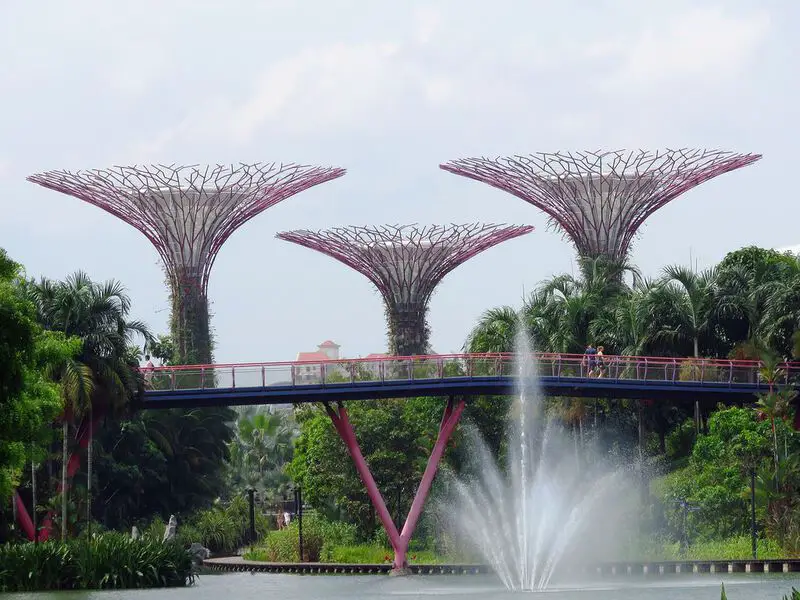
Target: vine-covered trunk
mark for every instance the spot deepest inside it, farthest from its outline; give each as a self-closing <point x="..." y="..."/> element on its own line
<point x="408" y="331"/>
<point x="190" y="323"/>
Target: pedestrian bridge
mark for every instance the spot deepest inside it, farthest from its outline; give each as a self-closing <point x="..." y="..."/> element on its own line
<point x="638" y="377"/>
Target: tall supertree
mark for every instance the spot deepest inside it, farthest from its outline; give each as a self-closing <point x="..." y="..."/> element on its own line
<point x="405" y="263"/>
<point x="188" y="212"/>
<point x="599" y="200"/>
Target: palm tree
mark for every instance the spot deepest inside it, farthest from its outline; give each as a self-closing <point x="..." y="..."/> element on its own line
<point x="494" y="332"/>
<point x="564" y="308"/>
<point x="102" y="376"/>
<point x="686" y="298"/>
<point x="630" y="325"/>
<point x="261" y="449"/>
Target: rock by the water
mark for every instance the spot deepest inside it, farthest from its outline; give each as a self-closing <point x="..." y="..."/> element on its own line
<point x="135" y="533"/>
<point x="199" y="553"/>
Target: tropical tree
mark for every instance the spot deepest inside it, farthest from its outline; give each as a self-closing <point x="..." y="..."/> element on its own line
<point x="102" y="376"/>
<point x="686" y="298"/>
<point x="495" y="331"/>
<point x="260" y="451"/>
<point x="29" y="399"/>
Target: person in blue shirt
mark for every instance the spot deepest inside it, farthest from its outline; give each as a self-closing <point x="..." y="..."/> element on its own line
<point x="590" y="359"/>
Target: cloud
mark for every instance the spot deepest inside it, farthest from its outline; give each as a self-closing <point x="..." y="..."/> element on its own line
<point x="700" y="44"/>
<point x="427" y="21"/>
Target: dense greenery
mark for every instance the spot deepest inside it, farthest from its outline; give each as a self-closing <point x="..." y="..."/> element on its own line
<point x="68" y="366"/>
<point x="30" y="399"/>
<point x="107" y="561"/>
<point x="67" y="355"/>
<point x="745" y="307"/>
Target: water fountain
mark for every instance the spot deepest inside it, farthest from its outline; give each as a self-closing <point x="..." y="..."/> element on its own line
<point x="527" y="519"/>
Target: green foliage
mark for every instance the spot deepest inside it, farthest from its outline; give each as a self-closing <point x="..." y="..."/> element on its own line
<point x="29" y="399"/>
<point x="259" y="453"/>
<point x="716" y="479"/>
<point x="223" y="529"/>
<point x="395" y="438"/>
<point x="107" y="561"/>
<point x="732" y="548"/>
<point x="320" y="536"/>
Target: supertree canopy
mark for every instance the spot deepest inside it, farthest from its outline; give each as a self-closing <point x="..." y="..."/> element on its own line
<point x="601" y="199"/>
<point x="405" y="263"/>
<point x="188" y="212"/>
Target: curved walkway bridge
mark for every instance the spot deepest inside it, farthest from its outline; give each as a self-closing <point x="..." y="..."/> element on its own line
<point x="638" y="377"/>
<point x="454" y="377"/>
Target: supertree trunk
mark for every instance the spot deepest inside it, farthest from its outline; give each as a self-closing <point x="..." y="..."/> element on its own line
<point x="408" y="329"/>
<point x="190" y="325"/>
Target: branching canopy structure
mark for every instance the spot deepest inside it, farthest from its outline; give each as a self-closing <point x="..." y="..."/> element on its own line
<point x="405" y="263"/>
<point x="601" y="199"/>
<point x="188" y="212"/>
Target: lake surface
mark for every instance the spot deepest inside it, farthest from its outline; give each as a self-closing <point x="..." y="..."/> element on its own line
<point x="236" y="586"/>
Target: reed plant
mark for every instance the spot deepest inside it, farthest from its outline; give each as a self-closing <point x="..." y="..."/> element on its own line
<point x="103" y="561"/>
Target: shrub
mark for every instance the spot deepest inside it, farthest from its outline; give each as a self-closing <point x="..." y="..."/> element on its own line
<point x="105" y="561"/>
<point x="319" y="536"/>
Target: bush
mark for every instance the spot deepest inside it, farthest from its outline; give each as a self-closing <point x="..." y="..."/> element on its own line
<point x="223" y="529"/>
<point x="105" y="561"/>
<point x="319" y="536"/>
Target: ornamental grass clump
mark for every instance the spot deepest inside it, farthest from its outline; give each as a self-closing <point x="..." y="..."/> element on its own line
<point x="106" y="561"/>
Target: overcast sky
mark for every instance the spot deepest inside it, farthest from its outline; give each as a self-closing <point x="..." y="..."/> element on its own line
<point x="387" y="90"/>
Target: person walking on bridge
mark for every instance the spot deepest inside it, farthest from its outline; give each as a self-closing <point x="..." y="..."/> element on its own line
<point x="590" y="360"/>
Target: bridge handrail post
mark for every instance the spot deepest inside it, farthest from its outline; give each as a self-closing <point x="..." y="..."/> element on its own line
<point x="558" y="360"/>
<point x="202" y="378"/>
<point x="645" y="368"/>
<point x="469" y="366"/>
<point x="730" y="372"/>
<point x="352" y="369"/>
<point x="440" y="367"/>
<point x="233" y="377"/>
<point x="411" y="369"/>
<point x="382" y="370"/>
<point x="293" y="372"/>
<point x="172" y="379"/>
<point x="263" y="376"/>
<point x="674" y="369"/>
<point x="702" y="370"/>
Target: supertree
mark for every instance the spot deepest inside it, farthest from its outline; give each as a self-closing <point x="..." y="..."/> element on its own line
<point x="188" y="212"/>
<point x="405" y="263"/>
<point x="599" y="200"/>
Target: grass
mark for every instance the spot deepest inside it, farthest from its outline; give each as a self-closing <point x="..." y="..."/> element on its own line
<point x="356" y="554"/>
<point x="104" y="561"/>
<point x="736" y="548"/>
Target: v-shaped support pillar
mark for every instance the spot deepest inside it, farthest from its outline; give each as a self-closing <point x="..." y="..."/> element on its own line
<point x="398" y="539"/>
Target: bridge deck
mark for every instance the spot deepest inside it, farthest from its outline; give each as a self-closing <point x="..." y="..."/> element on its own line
<point x="674" y="379"/>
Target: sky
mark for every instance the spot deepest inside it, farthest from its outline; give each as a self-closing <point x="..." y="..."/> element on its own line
<point x="387" y="90"/>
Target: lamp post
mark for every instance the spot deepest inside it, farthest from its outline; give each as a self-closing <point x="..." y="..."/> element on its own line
<point x="298" y="509"/>
<point x="753" y="528"/>
<point x="251" y="501"/>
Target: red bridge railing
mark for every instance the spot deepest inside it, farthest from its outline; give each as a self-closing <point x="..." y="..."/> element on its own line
<point x="452" y="366"/>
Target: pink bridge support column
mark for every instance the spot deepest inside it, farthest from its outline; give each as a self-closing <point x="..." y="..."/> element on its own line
<point x="399" y="540"/>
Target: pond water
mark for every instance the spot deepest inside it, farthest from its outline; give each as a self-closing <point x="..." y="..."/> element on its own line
<point x="238" y="586"/>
